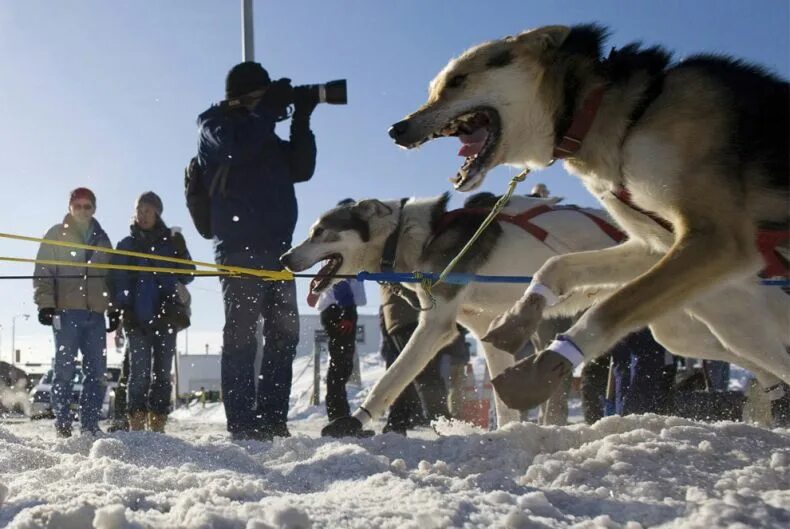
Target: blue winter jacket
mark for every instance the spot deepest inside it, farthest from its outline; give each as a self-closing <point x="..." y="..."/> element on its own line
<point x="250" y="173"/>
<point x="143" y="292"/>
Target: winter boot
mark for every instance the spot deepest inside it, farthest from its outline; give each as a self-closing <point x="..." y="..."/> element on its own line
<point x="62" y="431"/>
<point x="156" y="422"/>
<point x="119" y="425"/>
<point x="137" y="420"/>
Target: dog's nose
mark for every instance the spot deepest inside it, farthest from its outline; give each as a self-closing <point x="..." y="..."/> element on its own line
<point x="399" y="129"/>
<point x="285" y="260"/>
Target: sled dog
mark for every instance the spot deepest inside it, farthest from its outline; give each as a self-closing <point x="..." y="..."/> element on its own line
<point x="691" y="160"/>
<point x="420" y="235"/>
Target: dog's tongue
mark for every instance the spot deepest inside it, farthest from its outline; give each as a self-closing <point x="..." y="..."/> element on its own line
<point x="312" y="296"/>
<point x="472" y="143"/>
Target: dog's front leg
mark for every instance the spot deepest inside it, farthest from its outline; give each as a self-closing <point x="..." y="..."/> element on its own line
<point x="558" y="277"/>
<point x="702" y="256"/>
<point x="435" y="329"/>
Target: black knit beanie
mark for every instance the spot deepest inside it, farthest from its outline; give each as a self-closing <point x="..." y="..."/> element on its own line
<point x="244" y="78"/>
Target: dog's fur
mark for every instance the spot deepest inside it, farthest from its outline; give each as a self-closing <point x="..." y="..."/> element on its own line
<point x="702" y="143"/>
<point x="358" y="234"/>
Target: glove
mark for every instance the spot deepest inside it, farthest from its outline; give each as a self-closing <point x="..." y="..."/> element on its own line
<point x="278" y="95"/>
<point x="114" y="320"/>
<point x="45" y="316"/>
<point x="179" y="244"/>
<point x="345" y="326"/>
<point x="305" y="101"/>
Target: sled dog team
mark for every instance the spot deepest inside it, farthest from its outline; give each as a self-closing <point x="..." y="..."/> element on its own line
<point x="690" y="162"/>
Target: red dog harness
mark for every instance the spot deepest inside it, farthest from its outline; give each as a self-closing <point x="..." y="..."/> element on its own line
<point x="768" y="241"/>
<point x="523" y="220"/>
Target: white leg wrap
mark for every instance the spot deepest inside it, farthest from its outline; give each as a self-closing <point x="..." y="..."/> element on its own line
<point x="567" y="349"/>
<point x="362" y="416"/>
<point x="542" y="290"/>
<point x="776" y="392"/>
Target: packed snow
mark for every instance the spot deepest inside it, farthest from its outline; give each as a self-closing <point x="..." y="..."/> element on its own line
<point x="622" y="472"/>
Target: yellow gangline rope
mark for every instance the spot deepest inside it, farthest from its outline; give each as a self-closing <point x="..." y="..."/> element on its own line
<point x="108" y="266"/>
<point x="273" y="275"/>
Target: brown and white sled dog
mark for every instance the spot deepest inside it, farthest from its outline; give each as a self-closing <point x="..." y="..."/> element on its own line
<point x="691" y="159"/>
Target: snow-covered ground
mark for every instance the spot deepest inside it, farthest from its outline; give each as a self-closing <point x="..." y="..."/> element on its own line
<point x="639" y="471"/>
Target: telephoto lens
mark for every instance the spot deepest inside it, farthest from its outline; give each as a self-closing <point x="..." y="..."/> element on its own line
<point x="333" y="92"/>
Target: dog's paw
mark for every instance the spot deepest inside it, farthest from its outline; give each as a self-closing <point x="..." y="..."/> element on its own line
<point x="511" y="331"/>
<point x="345" y="427"/>
<point x="531" y="381"/>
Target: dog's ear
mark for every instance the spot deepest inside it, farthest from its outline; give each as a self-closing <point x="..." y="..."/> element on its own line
<point x="371" y="208"/>
<point x="545" y="38"/>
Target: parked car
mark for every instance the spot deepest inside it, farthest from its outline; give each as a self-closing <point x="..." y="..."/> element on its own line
<point x="41" y="394"/>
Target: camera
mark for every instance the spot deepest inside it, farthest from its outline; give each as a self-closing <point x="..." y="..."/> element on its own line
<point x="282" y="94"/>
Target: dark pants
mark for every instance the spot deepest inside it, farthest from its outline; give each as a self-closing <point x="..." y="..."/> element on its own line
<point x="340" y="324"/>
<point x="150" y="362"/>
<point x="119" y="406"/>
<point x="429" y="385"/>
<point x="595" y="378"/>
<point x="246" y="301"/>
<point x="643" y="379"/>
<point x="81" y="330"/>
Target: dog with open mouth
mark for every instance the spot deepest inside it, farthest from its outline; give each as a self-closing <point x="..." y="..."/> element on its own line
<point x="690" y="158"/>
<point x="420" y="235"/>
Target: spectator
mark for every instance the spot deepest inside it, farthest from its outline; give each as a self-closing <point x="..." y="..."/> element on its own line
<point x="539" y="191"/>
<point x="718" y="374"/>
<point x="73" y="299"/>
<point x="150" y="324"/>
<point x="250" y="174"/>
<point x="120" y="419"/>
<point x="399" y="320"/>
<point x="338" y="307"/>
<point x="459" y="354"/>
<point x="644" y="374"/>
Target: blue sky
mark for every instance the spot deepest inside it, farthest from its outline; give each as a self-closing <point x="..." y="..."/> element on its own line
<point x="105" y="95"/>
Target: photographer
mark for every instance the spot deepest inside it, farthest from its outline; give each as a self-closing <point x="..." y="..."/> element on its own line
<point x="249" y="174"/>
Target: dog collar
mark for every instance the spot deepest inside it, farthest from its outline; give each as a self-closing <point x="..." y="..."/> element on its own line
<point x="572" y="140"/>
<point x="391" y="246"/>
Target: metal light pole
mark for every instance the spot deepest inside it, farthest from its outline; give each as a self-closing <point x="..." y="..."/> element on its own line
<point x="247" y="37"/>
<point x="13" y="335"/>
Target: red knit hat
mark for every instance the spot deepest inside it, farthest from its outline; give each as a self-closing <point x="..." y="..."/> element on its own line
<point x="83" y="192"/>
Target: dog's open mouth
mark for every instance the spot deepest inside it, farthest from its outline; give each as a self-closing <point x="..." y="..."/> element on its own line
<point x="327" y="272"/>
<point x="479" y="132"/>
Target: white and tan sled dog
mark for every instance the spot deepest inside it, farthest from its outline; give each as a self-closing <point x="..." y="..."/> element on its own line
<point x="420" y="235"/>
<point x="690" y="158"/>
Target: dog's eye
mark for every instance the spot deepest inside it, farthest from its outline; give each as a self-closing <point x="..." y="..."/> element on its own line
<point x="456" y="81"/>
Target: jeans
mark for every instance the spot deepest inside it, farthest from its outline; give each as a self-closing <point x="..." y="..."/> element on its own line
<point x="83" y="330"/>
<point x="643" y="378"/>
<point x="341" y="357"/>
<point x="246" y="300"/>
<point x="149" y="389"/>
